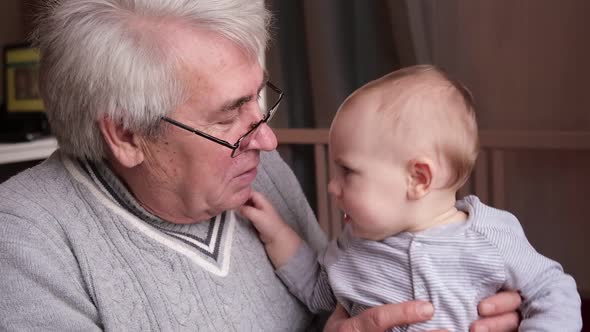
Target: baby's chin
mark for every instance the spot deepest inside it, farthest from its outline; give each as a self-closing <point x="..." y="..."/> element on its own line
<point x="367" y="234"/>
<point x="346" y="218"/>
<point x="367" y="237"/>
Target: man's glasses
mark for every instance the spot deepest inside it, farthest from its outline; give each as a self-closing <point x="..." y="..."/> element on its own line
<point x="240" y="145"/>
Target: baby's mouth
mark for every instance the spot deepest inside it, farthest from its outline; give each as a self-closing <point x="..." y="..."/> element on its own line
<point x="346" y="217"/>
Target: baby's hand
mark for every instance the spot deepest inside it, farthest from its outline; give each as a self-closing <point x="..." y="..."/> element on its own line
<point x="280" y="241"/>
<point x="264" y="217"/>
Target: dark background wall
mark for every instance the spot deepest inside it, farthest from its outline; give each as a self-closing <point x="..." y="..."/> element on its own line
<point x="526" y="63"/>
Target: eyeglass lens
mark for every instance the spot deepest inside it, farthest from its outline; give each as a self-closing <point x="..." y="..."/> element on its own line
<point x="268" y="103"/>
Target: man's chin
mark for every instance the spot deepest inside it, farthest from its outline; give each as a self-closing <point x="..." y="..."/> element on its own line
<point x="241" y="197"/>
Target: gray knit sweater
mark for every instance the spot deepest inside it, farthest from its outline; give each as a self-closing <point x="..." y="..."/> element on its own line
<point x="77" y="253"/>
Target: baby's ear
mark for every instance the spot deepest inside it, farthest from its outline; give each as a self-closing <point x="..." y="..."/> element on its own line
<point x="420" y="176"/>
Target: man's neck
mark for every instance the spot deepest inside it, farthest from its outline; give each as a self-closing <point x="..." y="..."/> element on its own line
<point x="155" y="197"/>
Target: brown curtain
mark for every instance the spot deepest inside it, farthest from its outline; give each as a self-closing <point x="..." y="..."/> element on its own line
<point x="324" y="50"/>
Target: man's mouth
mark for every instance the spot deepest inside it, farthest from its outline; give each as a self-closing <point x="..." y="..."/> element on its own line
<point x="247" y="176"/>
<point x="251" y="171"/>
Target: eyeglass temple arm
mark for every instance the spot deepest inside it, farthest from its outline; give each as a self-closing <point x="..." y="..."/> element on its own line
<point x="200" y="133"/>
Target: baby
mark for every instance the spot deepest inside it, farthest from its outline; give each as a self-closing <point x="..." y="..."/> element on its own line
<point x="403" y="145"/>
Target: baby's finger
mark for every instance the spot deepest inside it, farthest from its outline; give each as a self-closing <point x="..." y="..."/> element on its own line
<point x="250" y="212"/>
<point x="259" y="201"/>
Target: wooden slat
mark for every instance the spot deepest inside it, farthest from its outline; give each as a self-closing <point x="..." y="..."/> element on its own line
<point x="302" y="136"/>
<point x="488" y="138"/>
<point x="335" y="213"/>
<point x="535" y="140"/>
<point x="488" y="178"/>
<point x="321" y="179"/>
<point x="498" y="179"/>
<point x="480" y="177"/>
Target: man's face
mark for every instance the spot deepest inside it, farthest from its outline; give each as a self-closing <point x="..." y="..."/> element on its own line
<point x="201" y="176"/>
<point x="370" y="180"/>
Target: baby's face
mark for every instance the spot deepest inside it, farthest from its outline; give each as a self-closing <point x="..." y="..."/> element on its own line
<point x="370" y="179"/>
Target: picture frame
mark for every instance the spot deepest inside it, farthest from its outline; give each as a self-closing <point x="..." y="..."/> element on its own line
<point x="21" y="73"/>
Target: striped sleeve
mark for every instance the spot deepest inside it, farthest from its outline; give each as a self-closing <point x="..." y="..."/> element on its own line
<point x="550" y="298"/>
<point x="307" y="280"/>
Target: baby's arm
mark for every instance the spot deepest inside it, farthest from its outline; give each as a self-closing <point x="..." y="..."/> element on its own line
<point x="296" y="263"/>
<point x="550" y="298"/>
<point x="280" y="241"/>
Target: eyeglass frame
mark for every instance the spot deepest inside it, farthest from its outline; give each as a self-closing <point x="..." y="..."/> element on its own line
<point x="234" y="147"/>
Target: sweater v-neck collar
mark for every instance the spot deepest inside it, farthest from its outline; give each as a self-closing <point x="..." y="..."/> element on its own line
<point x="207" y="243"/>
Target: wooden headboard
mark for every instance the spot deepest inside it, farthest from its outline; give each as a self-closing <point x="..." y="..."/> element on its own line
<point x="487" y="180"/>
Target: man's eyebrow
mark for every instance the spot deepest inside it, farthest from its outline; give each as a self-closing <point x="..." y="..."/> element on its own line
<point x="264" y="80"/>
<point x="233" y="104"/>
<point x="236" y="103"/>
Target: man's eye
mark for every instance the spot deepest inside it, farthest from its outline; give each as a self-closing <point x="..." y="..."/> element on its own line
<point x="242" y="103"/>
<point x="227" y="121"/>
<point x="246" y="101"/>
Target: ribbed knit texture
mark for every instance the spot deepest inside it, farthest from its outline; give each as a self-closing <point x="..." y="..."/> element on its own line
<point x="454" y="266"/>
<point x="74" y="258"/>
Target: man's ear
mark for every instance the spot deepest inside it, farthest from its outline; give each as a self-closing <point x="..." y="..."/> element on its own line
<point x="125" y="146"/>
<point x="420" y="176"/>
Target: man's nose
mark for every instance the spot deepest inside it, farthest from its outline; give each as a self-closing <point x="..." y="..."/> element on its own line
<point x="263" y="139"/>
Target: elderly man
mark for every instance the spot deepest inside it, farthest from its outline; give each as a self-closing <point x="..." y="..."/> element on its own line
<point x="131" y="224"/>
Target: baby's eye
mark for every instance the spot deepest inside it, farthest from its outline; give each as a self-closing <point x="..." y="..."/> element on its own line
<point x="345" y="170"/>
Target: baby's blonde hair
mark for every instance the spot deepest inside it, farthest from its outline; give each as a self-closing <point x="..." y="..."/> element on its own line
<point x="449" y="114"/>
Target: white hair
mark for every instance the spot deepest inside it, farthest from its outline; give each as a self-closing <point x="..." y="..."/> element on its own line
<point x="108" y="58"/>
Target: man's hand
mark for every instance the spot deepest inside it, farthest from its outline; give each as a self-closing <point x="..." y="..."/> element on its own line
<point x="499" y="312"/>
<point x="379" y="318"/>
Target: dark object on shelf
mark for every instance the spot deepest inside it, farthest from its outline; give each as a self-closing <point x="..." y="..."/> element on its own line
<point x="22" y="117"/>
<point x="21" y="136"/>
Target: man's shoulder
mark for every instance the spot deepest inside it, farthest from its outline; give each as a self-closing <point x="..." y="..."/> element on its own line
<point x="37" y="190"/>
<point x="274" y="175"/>
<point x="272" y="164"/>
